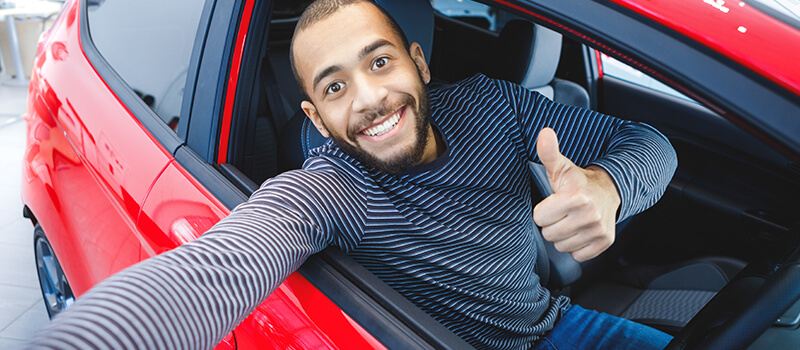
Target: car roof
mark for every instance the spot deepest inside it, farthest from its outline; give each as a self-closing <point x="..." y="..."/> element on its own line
<point x="760" y="42"/>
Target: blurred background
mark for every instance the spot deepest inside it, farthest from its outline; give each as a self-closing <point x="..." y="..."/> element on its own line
<point x="22" y="311"/>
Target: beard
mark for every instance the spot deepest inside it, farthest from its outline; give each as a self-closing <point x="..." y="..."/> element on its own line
<point x="409" y="157"/>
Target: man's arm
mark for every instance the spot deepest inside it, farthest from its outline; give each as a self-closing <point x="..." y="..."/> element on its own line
<point x="602" y="169"/>
<point x="192" y="296"/>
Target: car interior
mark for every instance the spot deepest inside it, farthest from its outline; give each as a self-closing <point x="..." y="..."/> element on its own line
<point x="729" y="202"/>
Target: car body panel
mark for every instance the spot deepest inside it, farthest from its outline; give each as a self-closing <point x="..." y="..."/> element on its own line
<point x="297" y="315"/>
<point x="96" y="169"/>
<point x="734" y="29"/>
<point x="177" y="210"/>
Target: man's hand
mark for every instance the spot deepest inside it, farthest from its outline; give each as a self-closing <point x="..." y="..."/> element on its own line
<point x="580" y="215"/>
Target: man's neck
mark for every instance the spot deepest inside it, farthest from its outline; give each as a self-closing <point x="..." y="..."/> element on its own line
<point x="434" y="148"/>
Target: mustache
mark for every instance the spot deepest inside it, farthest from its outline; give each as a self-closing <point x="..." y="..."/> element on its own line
<point x="383" y="109"/>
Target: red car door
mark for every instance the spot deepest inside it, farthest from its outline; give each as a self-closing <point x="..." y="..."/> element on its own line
<point x="90" y="162"/>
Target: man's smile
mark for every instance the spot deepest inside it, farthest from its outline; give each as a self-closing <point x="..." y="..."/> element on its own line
<point x="385" y="127"/>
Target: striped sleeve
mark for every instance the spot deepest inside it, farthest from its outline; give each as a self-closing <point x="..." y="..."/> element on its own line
<point x="192" y="296"/>
<point x="639" y="159"/>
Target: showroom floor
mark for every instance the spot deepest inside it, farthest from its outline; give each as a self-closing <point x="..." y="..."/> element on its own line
<point x="22" y="311"/>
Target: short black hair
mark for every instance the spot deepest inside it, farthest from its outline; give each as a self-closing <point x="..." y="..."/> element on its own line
<point x="321" y="9"/>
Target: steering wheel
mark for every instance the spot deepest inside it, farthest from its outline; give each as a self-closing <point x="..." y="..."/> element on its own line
<point x="749" y="304"/>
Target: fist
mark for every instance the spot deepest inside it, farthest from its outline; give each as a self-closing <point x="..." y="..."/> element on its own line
<point x="580" y="216"/>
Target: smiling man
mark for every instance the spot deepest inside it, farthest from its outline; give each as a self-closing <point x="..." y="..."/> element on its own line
<point x="429" y="190"/>
<point x="367" y="86"/>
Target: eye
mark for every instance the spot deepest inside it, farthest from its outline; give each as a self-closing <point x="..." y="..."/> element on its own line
<point x="379" y="63"/>
<point x="334" y="88"/>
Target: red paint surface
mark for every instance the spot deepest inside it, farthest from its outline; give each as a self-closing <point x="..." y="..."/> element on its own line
<point x="768" y="46"/>
<point x="85" y="174"/>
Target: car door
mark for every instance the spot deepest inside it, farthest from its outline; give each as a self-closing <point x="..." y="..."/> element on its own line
<point x="191" y="195"/>
<point x="733" y="193"/>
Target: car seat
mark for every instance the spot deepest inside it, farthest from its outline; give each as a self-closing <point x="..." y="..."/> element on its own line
<point x="528" y="54"/>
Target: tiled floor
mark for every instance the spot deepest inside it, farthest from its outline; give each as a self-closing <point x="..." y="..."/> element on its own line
<point x="22" y="310"/>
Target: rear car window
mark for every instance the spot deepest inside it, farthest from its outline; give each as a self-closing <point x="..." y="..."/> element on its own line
<point x="149" y="44"/>
<point x="619" y="70"/>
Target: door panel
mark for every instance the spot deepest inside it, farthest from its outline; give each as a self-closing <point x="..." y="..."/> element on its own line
<point x="732" y="193"/>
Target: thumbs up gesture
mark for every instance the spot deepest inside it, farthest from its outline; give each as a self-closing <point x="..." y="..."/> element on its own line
<point x="580" y="216"/>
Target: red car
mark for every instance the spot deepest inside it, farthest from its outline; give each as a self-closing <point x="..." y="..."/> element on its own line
<point x="148" y="121"/>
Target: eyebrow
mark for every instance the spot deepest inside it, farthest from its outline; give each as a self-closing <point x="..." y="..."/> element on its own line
<point x="372" y="47"/>
<point x="326" y="72"/>
<point x="364" y="52"/>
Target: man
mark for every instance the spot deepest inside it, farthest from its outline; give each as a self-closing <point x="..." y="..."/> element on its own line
<point x="414" y="182"/>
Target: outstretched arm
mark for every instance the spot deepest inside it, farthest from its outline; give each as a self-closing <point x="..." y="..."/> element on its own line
<point x="192" y="296"/>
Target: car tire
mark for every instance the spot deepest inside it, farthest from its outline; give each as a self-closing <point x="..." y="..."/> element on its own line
<point x="56" y="292"/>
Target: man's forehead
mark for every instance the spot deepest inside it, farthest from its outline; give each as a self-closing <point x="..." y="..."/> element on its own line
<point x="340" y="35"/>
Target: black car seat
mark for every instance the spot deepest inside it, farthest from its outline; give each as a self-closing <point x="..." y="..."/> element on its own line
<point x="665" y="297"/>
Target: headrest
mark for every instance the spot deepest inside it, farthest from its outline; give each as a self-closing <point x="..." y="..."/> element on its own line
<point x="527" y="54"/>
<point x="415" y="17"/>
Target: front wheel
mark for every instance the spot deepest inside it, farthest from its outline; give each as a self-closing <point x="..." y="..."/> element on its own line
<point x="55" y="288"/>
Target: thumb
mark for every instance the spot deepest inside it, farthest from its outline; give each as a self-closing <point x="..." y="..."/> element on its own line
<point x="549" y="154"/>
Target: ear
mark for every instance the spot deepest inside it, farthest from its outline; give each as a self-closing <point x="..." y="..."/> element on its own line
<point x="311" y="112"/>
<point x="419" y="59"/>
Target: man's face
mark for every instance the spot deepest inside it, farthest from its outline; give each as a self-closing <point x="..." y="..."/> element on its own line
<point x="367" y="92"/>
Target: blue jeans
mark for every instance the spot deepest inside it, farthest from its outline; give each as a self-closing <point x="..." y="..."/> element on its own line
<point x="583" y="329"/>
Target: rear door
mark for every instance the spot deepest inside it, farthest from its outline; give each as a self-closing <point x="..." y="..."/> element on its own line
<point x="111" y="144"/>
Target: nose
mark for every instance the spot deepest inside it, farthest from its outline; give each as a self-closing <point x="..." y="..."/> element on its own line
<point x="369" y="93"/>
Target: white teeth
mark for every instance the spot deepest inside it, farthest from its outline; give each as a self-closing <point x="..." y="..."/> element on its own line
<point x="383" y="127"/>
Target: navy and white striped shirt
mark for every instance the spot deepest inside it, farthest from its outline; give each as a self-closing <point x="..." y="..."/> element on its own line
<point x="453" y="236"/>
